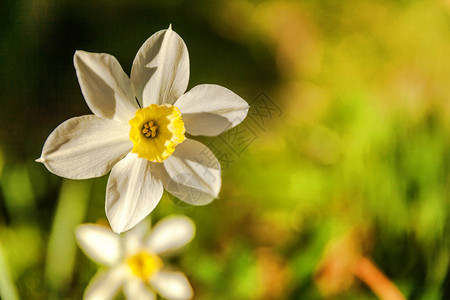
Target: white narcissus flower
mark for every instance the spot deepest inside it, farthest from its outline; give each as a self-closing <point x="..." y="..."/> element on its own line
<point x="138" y="130"/>
<point x="133" y="260"/>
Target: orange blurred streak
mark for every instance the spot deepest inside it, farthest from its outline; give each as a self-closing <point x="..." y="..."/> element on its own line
<point x="335" y="272"/>
<point x="344" y="261"/>
<point x="367" y="272"/>
<point x="273" y="272"/>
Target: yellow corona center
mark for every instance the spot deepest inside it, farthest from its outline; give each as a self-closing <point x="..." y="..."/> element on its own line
<point x="144" y="264"/>
<point x="155" y="131"/>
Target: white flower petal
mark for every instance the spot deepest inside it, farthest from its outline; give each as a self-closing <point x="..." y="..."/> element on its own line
<point x="105" y="284"/>
<point x="132" y="192"/>
<point x="140" y="71"/>
<point x="170" y="234"/>
<point x="191" y="174"/>
<point x="106" y="88"/>
<point x="99" y="243"/>
<point x="135" y="289"/>
<point x="210" y="109"/>
<point x="172" y="285"/>
<point x="134" y="238"/>
<point x="85" y="147"/>
<point x="160" y="71"/>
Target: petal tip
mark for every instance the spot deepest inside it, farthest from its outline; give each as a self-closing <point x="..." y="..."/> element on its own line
<point x="118" y="227"/>
<point x="78" y="231"/>
<point x="77" y="54"/>
<point x="40" y="160"/>
<point x="117" y="230"/>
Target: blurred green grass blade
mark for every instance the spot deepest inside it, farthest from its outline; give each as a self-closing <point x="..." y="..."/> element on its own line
<point x="8" y="290"/>
<point x="61" y="252"/>
<point x="16" y="186"/>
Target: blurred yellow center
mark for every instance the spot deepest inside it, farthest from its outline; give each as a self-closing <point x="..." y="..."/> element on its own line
<point x="155" y="131"/>
<point x="144" y="264"/>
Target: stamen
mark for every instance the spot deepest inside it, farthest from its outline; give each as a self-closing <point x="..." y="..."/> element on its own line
<point x="149" y="129"/>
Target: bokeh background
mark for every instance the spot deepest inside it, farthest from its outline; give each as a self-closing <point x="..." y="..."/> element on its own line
<point x="338" y="189"/>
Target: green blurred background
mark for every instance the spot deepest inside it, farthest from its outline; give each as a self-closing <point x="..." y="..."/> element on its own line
<point x="353" y="165"/>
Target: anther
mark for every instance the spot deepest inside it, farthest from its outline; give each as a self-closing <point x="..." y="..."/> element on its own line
<point x="149" y="129"/>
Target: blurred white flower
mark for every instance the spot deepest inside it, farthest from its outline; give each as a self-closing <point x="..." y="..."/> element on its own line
<point x="138" y="130"/>
<point x="134" y="261"/>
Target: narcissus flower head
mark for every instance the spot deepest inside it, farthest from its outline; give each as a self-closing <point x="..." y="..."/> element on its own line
<point x="135" y="259"/>
<point x="137" y="130"/>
